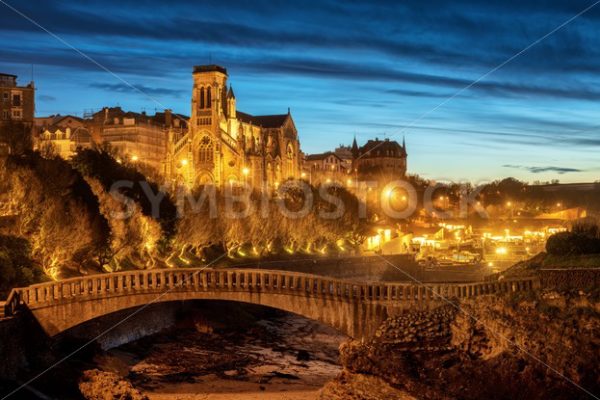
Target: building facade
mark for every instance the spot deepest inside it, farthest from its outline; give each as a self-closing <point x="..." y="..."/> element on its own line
<point x="61" y="135"/>
<point x="138" y="137"/>
<point x="17" y="108"/>
<point x="324" y="168"/>
<point x="378" y="159"/>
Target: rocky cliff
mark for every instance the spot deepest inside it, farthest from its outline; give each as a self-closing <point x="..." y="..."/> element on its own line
<point x="544" y="346"/>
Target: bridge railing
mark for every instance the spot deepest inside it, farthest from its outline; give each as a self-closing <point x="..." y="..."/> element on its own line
<point x="249" y="280"/>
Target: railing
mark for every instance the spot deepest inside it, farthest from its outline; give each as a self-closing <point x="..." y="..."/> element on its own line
<point x="248" y="280"/>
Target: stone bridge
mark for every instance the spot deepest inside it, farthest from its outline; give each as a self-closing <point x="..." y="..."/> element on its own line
<point x="353" y="308"/>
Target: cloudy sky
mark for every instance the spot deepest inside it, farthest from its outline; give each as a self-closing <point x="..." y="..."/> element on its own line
<point x="370" y="69"/>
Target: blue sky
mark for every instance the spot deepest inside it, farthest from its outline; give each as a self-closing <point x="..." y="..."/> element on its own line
<point x="345" y="68"/>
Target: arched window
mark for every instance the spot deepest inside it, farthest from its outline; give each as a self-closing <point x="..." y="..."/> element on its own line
<point x="208" y="98"/>
<point x="201" y="97"/>
<point x="205" y="154"/>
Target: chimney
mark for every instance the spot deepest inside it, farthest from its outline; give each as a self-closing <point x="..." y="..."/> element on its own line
<point x="168" y="118"/>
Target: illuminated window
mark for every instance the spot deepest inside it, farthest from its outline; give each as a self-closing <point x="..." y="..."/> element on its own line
<point x="205" y="154"/>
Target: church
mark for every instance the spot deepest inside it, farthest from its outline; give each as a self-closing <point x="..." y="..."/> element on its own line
<point x="223" y="145"/>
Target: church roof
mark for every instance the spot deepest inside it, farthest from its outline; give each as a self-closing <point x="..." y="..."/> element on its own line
<point x="266" y="121"/>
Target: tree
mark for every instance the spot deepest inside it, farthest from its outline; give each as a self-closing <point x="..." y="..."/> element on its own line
<point x="16" y="136"/>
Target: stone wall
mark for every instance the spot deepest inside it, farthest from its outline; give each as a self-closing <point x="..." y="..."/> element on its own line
<point x="569" y="279"/>
<point x="371" y="268"/>
<point x="125" y="326"/>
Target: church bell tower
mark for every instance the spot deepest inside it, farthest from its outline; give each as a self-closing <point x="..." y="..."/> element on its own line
<point x="208" y="108"/>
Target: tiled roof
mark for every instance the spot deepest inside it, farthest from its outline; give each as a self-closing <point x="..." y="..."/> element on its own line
<point x="321" y="156"/>
<point x="266" y="121"/>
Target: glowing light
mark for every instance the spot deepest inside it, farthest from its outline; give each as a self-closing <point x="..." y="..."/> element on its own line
<point x="388" y="193"/>
<point x="349" y="182"/>
<point x="134" y="158"/>
<point x="245" y="171"/>
<point x="328" y="180"/>
<point x="509" y="204"/>
<point x="387" y="235"/>
<point x="490" y="264"/>
<point x="303" y="175"/>
<point x="184" y="162"/>
<point x="501" y="250"/>
<point x="558" y="204"/>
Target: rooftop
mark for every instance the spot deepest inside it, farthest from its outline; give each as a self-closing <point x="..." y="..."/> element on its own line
<point x="321" y="156"/>
<point x="209" y="68"/>
<point x="382" y="148"/>
<point x="266" y="121"/>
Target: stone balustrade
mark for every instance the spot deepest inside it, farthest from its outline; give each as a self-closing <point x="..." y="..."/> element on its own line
<point x="249" y="280"/>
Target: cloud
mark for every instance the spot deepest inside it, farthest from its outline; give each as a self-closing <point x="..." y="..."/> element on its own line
<point x="45" y="97"/>
<point x="147" y="90"/>
<point x="539" y="170"/>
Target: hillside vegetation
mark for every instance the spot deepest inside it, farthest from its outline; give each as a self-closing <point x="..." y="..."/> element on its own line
<point x="95" y="214"/>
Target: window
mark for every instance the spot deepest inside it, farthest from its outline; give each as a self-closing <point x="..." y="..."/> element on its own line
<point x="208" y="98"/>
<point x="16" y="114"/>
<point x="201" y="97"/>
<point x="206" y="150"/>
<point x="5" y="96"/>
<point x="16" y="100"/>
<point x="4" y="114"/>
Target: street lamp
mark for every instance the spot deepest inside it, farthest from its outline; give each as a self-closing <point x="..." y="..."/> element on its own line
<point x="245" y="172"/>
<point x="134" y="158"/>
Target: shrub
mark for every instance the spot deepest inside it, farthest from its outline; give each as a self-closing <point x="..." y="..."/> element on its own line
<point x="572" y="243"/>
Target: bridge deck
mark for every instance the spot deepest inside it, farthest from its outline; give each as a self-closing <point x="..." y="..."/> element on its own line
<point x="247" y="280"/>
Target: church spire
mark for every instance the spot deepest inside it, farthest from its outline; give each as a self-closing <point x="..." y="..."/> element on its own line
<point x="354" y="148"/>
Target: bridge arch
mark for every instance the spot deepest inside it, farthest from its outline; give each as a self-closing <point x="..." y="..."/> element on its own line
<point x="356" y="309"/>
